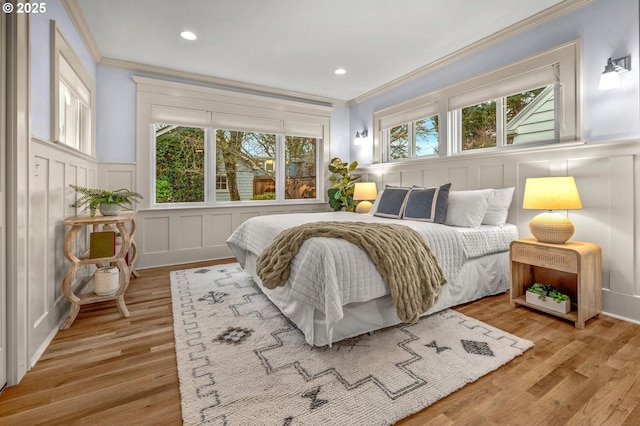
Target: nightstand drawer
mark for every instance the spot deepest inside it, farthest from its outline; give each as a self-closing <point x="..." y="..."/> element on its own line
<point x="546" y="257"/>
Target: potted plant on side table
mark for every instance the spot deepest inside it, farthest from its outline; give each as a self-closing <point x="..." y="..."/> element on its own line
<point x="546" y="296"/>
<point x="108" y="202"/>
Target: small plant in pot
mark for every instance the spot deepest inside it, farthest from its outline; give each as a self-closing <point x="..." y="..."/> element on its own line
<point x="548" y="296"/>
<point x="108" y="202"/>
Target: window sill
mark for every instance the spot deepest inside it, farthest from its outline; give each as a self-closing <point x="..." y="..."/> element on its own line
<point x="271" y="205"/>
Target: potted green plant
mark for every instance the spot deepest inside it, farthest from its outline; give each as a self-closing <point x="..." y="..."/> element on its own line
<point x="547" y="296"/>
<point x="341" y="192"/>
<point x="108" y="202"/>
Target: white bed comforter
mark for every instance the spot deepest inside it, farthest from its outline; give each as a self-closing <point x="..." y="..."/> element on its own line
<point x="328" y="273"/>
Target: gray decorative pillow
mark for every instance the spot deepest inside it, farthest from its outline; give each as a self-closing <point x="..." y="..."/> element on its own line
<point x="392" y="202"/>
<point x="427" y="204"/>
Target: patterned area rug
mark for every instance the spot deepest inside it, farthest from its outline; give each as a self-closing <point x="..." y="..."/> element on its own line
<point x="241" y="362"/>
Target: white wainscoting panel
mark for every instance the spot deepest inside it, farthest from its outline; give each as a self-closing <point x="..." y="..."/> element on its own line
<point x="176" y="236"/>
<point x="607" y="175"/>
<point x="114" y="176"/>
<point x="52" y="169"/>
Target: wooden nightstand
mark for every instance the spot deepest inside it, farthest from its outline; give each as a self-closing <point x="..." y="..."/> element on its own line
<point x="574" y="268"/>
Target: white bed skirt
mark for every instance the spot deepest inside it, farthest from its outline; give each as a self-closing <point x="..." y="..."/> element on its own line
<point x="479" y="277"/>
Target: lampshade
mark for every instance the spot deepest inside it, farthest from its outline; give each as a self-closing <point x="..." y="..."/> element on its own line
<point x="609" y="80"/>
<point x="364" y="192"/>
<point x="551" y="193"/>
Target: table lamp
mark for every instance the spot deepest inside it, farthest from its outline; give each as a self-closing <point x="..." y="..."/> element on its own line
<point x="551" y="193"/>
<point x="364" y="192"/>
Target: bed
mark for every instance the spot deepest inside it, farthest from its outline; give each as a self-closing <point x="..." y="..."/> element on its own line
<point x="334" y="291"/>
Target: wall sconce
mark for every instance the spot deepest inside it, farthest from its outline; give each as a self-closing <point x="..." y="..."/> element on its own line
<point x="610" y="78"/>
<point x="361" y="135"/>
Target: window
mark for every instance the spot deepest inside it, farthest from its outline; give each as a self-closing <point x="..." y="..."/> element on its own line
<point x="72" y="90"/>
<point x="525" y="117"/>
<point x="415" y="139"/>
<point x="301" y="167"/>
<point x="221" y="182"/>
<point x="180" y="164"/>
<point x="535" y="100"/>
<point x="245" y="165"/>
<point x="247" y="159"/>
<point x="211" y="147"/>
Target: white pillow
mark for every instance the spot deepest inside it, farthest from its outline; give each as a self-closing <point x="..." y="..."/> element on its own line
<point x="467" y="208"/>
<point x="499" y="207"/>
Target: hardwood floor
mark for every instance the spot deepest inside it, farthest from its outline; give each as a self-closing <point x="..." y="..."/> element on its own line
<point x="122" y="371"/>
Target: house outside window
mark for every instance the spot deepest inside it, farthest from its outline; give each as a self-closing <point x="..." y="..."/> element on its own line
<point x="525" y="117"/>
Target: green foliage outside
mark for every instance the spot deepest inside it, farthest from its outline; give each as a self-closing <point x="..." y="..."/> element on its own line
<point x="341" y="192"/>
<point x="180" y="165"/>
<point x="265" y="196"/>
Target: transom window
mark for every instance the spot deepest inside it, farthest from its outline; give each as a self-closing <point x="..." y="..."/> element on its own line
<point x="415" y="139"/>
<point x="535" y="100"/>
<point x="525" y="117"/>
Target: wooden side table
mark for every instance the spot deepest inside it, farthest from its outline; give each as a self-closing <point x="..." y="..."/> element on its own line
<point x="118" y="260"/>
<point x="574" y="268"/>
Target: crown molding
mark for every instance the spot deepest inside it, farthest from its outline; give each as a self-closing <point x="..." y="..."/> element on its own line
<point x="75" y="13"/>
<point x="222" y="83"/>
<point x="546" y="15"/>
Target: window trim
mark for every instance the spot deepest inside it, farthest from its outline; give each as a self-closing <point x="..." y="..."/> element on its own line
<point x="567" y="55"/>
<point x="198" y="106"/>
<point x="61" y="47"/>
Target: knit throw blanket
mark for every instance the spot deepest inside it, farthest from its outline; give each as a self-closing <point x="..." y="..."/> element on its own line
<point x="403" y="258"/>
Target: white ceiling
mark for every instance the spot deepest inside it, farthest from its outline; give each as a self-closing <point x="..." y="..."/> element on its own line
<point x="295" y="45"/>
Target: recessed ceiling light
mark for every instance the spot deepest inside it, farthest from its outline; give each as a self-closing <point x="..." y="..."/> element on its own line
<point x="340" y="71"/>
<point x="188" y="35"/>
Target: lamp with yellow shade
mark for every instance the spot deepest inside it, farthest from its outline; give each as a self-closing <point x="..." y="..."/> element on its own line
<point x="551" y="193"/>
<point x="364" y="192"/>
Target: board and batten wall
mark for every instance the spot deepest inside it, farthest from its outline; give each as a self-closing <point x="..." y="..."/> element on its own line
<point x="52" y="169"/>
<point x="606" y="174"/>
